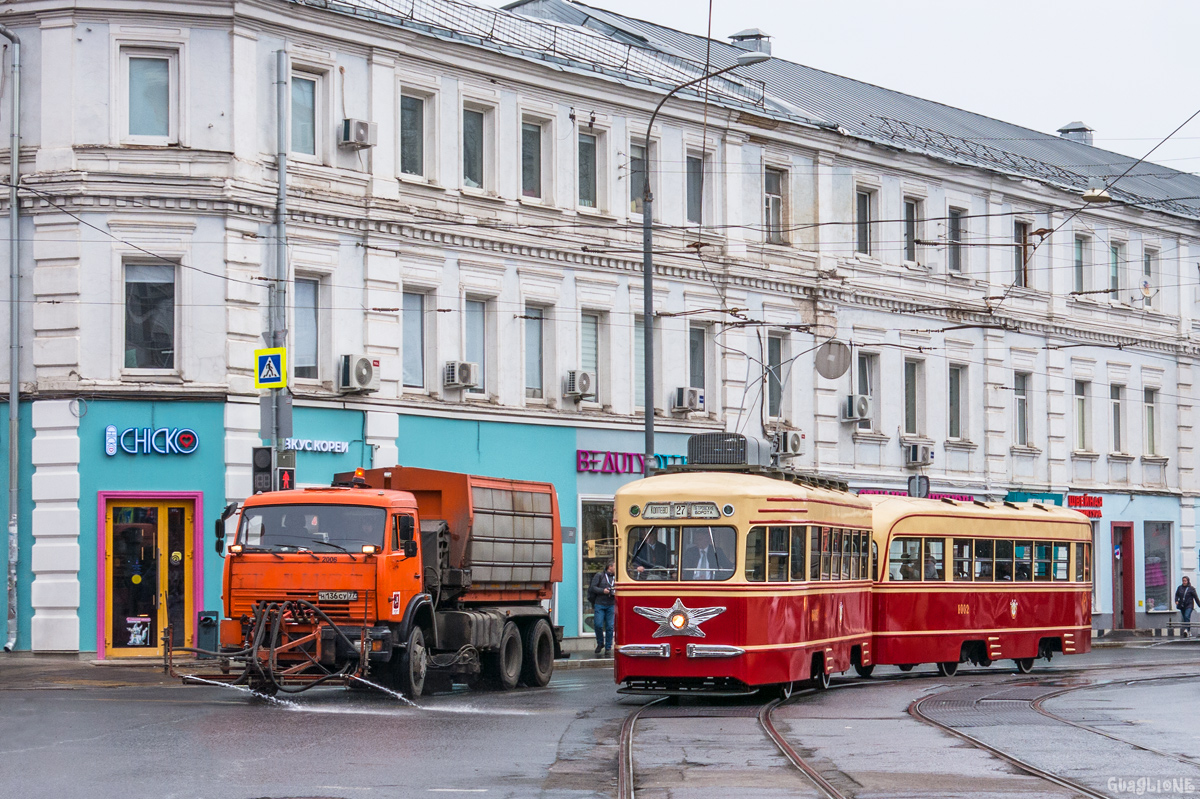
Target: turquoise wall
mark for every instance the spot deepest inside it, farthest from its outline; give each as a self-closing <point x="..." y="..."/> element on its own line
<point x="24" y="526"/>
<point x="329" y="424"/>
<point x="202" y="470"/>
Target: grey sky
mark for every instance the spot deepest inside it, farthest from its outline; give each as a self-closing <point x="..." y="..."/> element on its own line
<point x="1127" y="69"/>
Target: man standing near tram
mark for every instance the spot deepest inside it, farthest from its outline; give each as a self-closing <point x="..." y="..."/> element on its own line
<point x="1185" y="600"/>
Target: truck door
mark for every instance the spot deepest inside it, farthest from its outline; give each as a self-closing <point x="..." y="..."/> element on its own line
<point x="401" y="576"/>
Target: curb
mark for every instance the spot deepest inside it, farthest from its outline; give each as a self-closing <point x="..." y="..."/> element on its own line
<point x="565" y="664"/>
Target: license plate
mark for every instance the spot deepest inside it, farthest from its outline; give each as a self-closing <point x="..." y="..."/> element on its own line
<point x="337" y="596"/>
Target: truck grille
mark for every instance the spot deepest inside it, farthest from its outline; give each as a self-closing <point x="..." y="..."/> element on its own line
<point x="242" y="602"/>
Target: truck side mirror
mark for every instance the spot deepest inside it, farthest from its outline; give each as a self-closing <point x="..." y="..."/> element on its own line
<point x="410" y="549"/>
<point x="220" y="527"/>
<point x="404" y="526"/>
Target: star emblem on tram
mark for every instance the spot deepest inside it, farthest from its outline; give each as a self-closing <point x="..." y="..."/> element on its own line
<point x="679" y="620"/>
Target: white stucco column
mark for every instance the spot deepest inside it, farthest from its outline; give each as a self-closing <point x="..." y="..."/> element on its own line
<point x="382" y="429"/>
<point x="55" y="561"/>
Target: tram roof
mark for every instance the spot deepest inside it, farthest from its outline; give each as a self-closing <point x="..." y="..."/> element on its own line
<point x="712" y="485"/>
<point x="889" y="510"/>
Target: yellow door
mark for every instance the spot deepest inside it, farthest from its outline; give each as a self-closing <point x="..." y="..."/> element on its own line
<point x="148" y="575"/>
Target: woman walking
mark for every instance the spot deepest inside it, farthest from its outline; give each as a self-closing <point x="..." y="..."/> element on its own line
<point x="1185" y="599"/>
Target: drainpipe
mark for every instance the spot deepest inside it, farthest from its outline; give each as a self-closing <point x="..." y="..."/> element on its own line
<point x="277" y="309"/>
<point x="14" y="331"/>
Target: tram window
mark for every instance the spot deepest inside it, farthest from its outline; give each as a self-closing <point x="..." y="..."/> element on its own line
<point x="846" y="553"/>
<point x="962" y="559"/>
<point x="1004" y="560"/>
<point x="903" y="557"/>
<point x="984" y="550"/>
<point x="1042" y="557"/>
<point x="826" y="534"/>
<point x="855" y="552"/>
<point x="653" y="553"/>
<point x="1079" y="563"/>
<point x="708" y="553"/>
<point x="1024" y="560"/>
<point x="756" y="554"/>
<point x="814" y="559"/>
<point x="1062" y="555"/>
<point x="835" y="567"/>
<point x="935" y="559"/>
<point x="799" y="547"/>
<point x="874" y="559"/>
<point x="1083" y="562"/>
<point x="777" y="554"/>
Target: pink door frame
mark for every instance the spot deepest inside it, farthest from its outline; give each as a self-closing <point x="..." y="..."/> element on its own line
<point x="102" y="500"/>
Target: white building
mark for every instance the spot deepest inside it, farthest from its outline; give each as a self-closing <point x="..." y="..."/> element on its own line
<point x="998" y="326"/>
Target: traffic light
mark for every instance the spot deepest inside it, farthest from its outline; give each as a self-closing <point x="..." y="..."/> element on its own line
<point x="260" y="470"/>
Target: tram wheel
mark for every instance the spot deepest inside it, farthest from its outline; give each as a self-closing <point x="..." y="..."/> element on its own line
<point x="864" y="671"/>
<point x="907" y="666"/>
<point x="783" y="691"/>
<point x="821" y="679"/>
<point x="948" y="668"/>
<point x="1024" y="665"/>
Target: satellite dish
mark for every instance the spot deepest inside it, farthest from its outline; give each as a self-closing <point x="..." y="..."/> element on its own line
<point x="833" y="359"/>
<point x="1146" y="289"/>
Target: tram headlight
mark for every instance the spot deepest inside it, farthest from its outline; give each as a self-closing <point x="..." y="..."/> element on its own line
<point x="678" y="620"/>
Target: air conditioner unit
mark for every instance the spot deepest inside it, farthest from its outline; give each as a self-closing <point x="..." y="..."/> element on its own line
<point x="579" y="384"/>
<point x="688" y="400"/>
<point x="789" y="443"/>
<point x="358" y="134"/>
<point x="461" y="374"/>
<point x="858" y="407"/>
<point x="918" y="454"/>
<point x="358" y="374"/>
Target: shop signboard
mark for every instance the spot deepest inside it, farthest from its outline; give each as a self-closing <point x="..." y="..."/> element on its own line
<point x="1089" y="505"/>
<point x="150" y="440"/>
<point x="608" y="462"/>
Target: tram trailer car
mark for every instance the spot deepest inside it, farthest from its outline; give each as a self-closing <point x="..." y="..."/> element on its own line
<point x="426" y="573"/>
<point x="980" y="582"/>
<point x="781" y="594"/>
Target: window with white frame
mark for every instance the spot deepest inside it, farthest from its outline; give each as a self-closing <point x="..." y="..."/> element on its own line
<point x="955" y="393"/>
<point x="414" y="339"/>
<point x="867" y="375"/>
<point x="152" y="95"/>
<point x="639" y="173"/>
<point x="1083" y="248"/>
<point x="476" y="166"/>
<point x="412" y="135"/>
<point x="697" y="356"/>
<point x="914" y="390"/>
<point x="912" y="222"/>
<point x="306" y="319"/>
<point x="149" y="316"/>
<point x="774" y="206"/>
<point x="1150" y="414"/>
<point x="1021" y="254"/>
<point x="476" y="341"/>
<point x="306" y="100"/>
<point x="696" y="168"/>
<point x="1116" y="396"/>
<point x="589" y="170"/>
<point x="954" y="239"/>
<point x="775" y="376"/>
<point x="1149" y="276"/>
<point x="1021" y="409"/>
<point x="535" y="321"/>
<point x="1116" y="256"/>
<point x="531" y="160"/>
<point x="864" y="221"/>
<point x="1083" y="433"/>
<point x="589" y="348"/>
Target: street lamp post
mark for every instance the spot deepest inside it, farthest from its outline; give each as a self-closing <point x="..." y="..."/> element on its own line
<point x="743" y="60"/>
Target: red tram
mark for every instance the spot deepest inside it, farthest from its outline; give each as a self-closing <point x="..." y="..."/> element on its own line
<point x="730" y="583"/>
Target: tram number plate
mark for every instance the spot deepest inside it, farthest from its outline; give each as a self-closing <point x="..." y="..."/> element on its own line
<point x="964" y="610"/>
<point x="337" y="596"/>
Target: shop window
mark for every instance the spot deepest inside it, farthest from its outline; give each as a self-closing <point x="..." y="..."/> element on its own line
<point x="599" y="545"/>
<point x="149" y="316"/>
<point x="1157" y="549"/>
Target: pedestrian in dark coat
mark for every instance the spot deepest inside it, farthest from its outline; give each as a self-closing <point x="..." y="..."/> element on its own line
<point x="602" y="593"/>
<point x="1185" y="600"/>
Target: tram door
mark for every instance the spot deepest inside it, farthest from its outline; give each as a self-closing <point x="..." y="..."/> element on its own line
<point x="148" y="575"/>
<point x="1123" y="574"/>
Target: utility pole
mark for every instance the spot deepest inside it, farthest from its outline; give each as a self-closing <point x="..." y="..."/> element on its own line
<point x="278" y="297"/>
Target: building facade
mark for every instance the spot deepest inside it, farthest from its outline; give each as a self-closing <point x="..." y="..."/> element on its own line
<point x="1001" y="338"/>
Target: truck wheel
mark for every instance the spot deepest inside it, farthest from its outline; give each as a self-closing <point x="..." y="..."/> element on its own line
<point x="505" y="664"/>
<point x="539" y="654"/>
<point x="410" y="669"/>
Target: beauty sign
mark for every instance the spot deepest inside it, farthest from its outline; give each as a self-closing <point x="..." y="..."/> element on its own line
<point x="150" y="440"/>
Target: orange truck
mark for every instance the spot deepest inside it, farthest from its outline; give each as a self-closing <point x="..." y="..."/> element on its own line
<point x="403" y="578"/>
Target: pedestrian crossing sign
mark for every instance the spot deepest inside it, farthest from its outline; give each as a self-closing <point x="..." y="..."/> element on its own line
<point x="270" y="368"/>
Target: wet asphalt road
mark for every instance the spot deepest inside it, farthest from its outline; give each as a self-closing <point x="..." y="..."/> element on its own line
<point x="75" y="730"/>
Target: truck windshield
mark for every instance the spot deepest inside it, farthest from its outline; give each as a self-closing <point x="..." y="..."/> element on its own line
<point x="325" y="528"/>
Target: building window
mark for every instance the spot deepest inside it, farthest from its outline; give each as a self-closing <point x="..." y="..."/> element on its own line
<point x="1021" y="408"/>
<point x="531" y="160"/>
<point x="412" y="135"/>
<point x="588" y="175"/>
<point x="1158" y="551"/>
<point x="1083" y="436"/>
<point x="775" y="376"/>
<point x="1149" y="268"/>
<point x="414" y="340"/>
<point x="1149" y="398"/>
<point x="1116" y="396"/>
<point x="307" y="319"/>
<point x="913" y="373"/>
<point x="473" y="152"/>
<point x="862" y="222"/>
<point x="774" y="182"/>
<point x="589" y="349"/>
<point x="534" y="332"/>
<point x="149" y="316"/>
<point x="912" y="213"/>
<point x="697" y="356"/>
<point x="1021" y="254"/>
<point x="1116" y="254"/>
<point x="695" y="188"/>
<point x="153" y="94"/>
<point x="304" y="113"/>
<point x="638" y="175"/>
<point x="954" y="392"/>
<point x="954" y="238"/>
<point x="1081" y="252"/>
<point x="867" y="372"/>
<point x="475" y="351"/>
